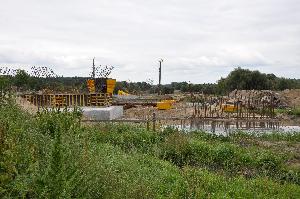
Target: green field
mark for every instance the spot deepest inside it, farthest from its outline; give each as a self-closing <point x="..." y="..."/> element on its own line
<point x="54" y="155"/>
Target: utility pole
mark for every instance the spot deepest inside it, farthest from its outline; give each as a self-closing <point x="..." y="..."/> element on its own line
<point x="159" y="77"/>
<point x="93" y="72"/>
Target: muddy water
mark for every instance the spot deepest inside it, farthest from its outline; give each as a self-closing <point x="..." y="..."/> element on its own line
<point x="227" y="128"/>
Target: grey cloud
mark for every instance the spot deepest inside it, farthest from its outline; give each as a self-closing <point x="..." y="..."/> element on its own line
<point x="199" y="40"/>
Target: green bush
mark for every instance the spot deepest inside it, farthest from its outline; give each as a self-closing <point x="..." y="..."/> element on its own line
<point x="176" y="149"/>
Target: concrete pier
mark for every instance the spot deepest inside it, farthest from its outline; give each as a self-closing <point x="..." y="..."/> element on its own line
<point x="102" y="113"/>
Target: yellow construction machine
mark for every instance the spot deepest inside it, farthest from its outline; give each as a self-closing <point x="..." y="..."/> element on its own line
<point x="230" y="107"/>
<point x="165" y="104"/>
<point x="120" y="92"/>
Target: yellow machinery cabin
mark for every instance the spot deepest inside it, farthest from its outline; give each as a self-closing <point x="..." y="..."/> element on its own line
<point x="165" y="104"/>
<point x="101" y="85"/>
<point x="229" y="107"/>
<point x="110" y="85"/>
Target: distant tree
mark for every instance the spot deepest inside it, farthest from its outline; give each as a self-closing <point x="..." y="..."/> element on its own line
<point x="284" y="84"/>
<point x="239" y="78"/>
<point x="167" y="89"/>
<point x="21" y="79"/>
<point x="5" y="85"/>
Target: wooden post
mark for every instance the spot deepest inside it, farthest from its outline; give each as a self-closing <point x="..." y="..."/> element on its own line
<point x="153" y="122"/>
<point x="213" y="126"/>
<point x="192" y="121"/>
<point x="237" y="108"/>
<point x="148" y="124"/>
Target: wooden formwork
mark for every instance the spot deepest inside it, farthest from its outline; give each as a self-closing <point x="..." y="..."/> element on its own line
<point x="69" y="100"/>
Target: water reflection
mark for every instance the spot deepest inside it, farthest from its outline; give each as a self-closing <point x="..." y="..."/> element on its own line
<point x="225" y="128"/>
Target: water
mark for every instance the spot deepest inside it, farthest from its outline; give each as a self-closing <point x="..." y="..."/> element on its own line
<point x="226" y="129"/>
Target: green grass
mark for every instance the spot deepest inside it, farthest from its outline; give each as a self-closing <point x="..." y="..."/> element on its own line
<point x="204" y="184"/>
<point x="295" y="112"/>
<point x="201" y="149"/>
<point x="292" y="111"/>
<point x="52" y="155"/>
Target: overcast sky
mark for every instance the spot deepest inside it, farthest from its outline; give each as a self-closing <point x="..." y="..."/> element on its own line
<point x="199" y="40"/>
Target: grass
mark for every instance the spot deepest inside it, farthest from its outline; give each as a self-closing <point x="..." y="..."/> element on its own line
<point x="204" y="184"/>
<point x="52" y="155"/>
<point x="201" y="149"/>
<point x="295" y="112"/>
<point x="292" y="112"/>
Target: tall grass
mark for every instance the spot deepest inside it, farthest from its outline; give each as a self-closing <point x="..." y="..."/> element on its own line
<point x="216" y="153"/>
<point x="204" y="184"/>
<point x="51" y="155"/>
<point x="292" y="111"/>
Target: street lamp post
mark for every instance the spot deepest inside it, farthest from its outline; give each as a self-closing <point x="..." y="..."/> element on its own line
<point x="159" y="77"/>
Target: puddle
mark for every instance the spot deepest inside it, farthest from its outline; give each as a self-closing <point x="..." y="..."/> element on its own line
<point x="221" y="129"/>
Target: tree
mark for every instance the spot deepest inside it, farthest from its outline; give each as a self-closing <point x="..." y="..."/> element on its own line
<point x="21" y="79"/>
<point x="4" y="88"/>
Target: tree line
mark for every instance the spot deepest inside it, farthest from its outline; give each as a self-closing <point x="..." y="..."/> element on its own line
<point x="239" y="78"/>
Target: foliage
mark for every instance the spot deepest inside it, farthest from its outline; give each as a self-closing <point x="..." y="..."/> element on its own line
<point x="204" y="184"/>
<point x="200" y="149"/>
<point x="21" y="79"/>
<point x="237" y="79"/>
<point x="295" y="112"/>
<point x="225" y="156"/>
<point x="244" y="79"/>
<point x="5" y="91"/>
<point x="52" y="155"/>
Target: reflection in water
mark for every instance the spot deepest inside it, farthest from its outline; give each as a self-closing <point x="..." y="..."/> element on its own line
<point x="225" y="128"/>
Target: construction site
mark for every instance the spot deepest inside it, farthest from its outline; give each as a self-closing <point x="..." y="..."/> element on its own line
<point x="239" y="110"/>
<point x="150" y="99"/>
<point x="95" y="125"/>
